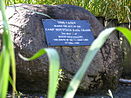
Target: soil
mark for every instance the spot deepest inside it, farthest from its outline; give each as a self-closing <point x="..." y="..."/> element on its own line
<point x="123" y="91"/>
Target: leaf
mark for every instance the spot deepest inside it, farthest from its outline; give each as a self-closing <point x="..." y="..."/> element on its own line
<point x="35" y="56"/>
<point x="1" y="61"/>
<point x="96" y="45"/>
<point x="4" y="75"/>
<point x="53" y="72"/>
<point x="9" y="51"/>
<point x="13" y="85"/>
<point x="54" y="65"/>
<point x="125" y="32"/>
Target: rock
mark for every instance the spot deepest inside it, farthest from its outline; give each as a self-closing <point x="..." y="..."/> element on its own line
<point x="27" y="30"/>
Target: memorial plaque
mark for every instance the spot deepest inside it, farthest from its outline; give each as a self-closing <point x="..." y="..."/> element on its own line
<point x="61" y="32"/>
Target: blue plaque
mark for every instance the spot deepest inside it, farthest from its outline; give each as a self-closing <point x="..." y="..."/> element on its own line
<point x="61" y="32"/>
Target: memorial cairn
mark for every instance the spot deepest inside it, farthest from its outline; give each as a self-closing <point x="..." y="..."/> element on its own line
<point x="70" y="30"/>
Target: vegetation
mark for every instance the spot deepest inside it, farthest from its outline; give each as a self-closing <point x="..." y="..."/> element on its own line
<point x="110" y="9"/>
<point x="7" y="56"/>
<point x="53" y="68"/>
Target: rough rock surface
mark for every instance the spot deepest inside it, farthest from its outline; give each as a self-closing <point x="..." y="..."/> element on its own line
<point x="27" y="30"/>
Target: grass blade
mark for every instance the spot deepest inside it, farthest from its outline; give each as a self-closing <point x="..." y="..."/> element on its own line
<point x="96" y="45"/>
<point x="35" y="56"/>
<point x="53" y="72"/>
<point x="12" y="83"/>
<point x="125" y="32"/>
<point x="4" y="75"/>
<point x="8" y="49"/>
<point x="53" y="68"/>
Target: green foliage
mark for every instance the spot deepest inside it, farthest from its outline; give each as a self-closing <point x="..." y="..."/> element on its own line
<point x="4" y="74"/>
<point x="7" y="56"/>
<point x="95" y="47"/>
<point x="53" y="68"/>
<point x="111" y="9"/>
<point x="126" y="33"/>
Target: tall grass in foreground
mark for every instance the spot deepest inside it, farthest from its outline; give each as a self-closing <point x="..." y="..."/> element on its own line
<point x="7" y="56"/>
<point x="53" y="68"/>
<point x="95" y="47"/>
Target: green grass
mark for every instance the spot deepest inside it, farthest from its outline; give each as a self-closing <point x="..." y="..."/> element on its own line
<point x="7" y="56"/>
<point x="110" y="9"/>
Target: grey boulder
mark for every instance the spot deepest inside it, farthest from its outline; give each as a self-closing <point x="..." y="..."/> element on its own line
<point x="28" y="35"/>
